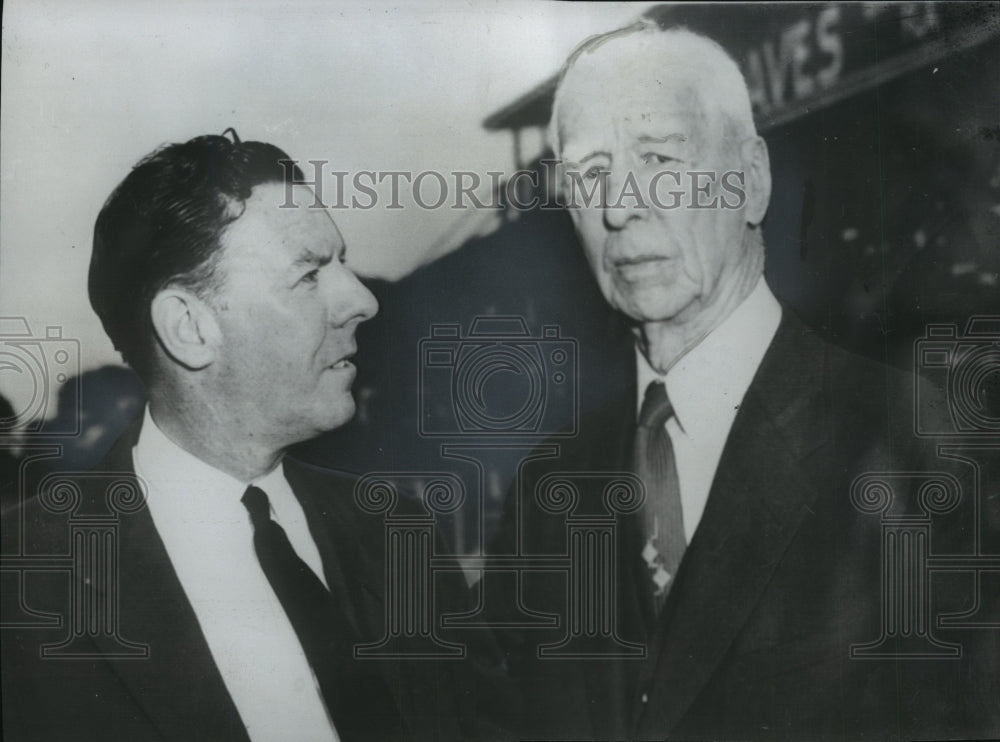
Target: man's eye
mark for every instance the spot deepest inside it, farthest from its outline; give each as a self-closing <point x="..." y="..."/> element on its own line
<point x="595" y="171"/>
<point x="651" y="158"/>
<point x="311" y="277"/>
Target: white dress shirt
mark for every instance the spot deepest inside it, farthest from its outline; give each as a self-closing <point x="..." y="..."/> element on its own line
<point x="706" y="387"/>
<point x="208" y="536"/>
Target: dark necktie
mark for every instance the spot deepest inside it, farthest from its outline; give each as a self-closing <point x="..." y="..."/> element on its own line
<point x="355" y="695"/>
<point x="662" y="520"/>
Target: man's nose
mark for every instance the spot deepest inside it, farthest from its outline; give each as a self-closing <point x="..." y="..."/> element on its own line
<point x="624" y="199"/>
<point x="350" y="300"/>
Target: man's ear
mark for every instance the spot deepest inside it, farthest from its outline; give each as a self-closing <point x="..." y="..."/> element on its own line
<point x="757" y="166"/>
<point x="185" y="326"/>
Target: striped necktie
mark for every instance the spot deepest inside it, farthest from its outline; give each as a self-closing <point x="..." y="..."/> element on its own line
<point x="662" y="517"/>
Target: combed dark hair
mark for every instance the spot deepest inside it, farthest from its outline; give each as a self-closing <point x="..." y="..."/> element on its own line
<point x="162" y="225"/>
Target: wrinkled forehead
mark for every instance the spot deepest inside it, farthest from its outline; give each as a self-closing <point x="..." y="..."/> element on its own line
<point x="630" y="87"/>
<point x="276" y="234"/>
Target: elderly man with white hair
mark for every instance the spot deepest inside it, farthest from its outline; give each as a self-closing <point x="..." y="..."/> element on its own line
<point x="748" y="584"/>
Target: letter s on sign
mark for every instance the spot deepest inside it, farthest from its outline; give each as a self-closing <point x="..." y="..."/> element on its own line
<point x="830" y="42"/>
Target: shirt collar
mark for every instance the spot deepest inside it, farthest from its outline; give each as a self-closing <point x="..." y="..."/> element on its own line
<point x="707" y="385"/>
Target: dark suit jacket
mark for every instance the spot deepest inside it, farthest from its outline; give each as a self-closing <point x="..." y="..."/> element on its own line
<point x="177" y="693"/>
<point x="781" y="577"/>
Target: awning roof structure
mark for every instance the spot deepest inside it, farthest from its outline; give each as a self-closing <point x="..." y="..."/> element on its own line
<point x="800" y="57"/>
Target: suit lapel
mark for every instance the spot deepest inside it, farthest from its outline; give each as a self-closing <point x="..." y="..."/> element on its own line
<point x="757" y="501"/>
<point x="353" y="575"/>
<point x="178" y="686"/>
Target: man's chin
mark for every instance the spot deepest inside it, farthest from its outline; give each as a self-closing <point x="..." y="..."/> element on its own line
<point x="343" y="415"/>
<point x="653" y="305"/>
<point x="331" y="417"/>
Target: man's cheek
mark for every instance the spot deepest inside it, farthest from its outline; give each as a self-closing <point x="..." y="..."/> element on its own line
<point x="589" y="225"/>
<point x="593" y="248"/>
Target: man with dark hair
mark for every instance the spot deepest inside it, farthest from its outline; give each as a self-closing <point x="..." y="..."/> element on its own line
<point x="163" y="225"/>
<point x="747" y="594"/>
<point x="248" y="578"/>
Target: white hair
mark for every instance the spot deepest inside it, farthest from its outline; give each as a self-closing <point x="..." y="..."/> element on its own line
<point x="717" y="76"/>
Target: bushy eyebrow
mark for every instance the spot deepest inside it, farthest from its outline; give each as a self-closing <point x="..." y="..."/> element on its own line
<point x="588" y="156"/>
<point x="677" y="137"/>
<point x="308" y="258"/>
